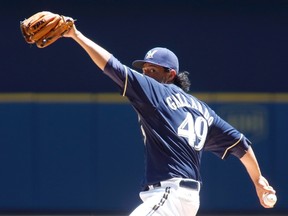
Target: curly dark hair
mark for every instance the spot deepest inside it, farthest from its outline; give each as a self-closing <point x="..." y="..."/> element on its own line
<point x="182" y="80"/>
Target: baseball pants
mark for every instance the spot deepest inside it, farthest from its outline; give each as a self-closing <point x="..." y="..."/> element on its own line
<point x="168" y="200"/>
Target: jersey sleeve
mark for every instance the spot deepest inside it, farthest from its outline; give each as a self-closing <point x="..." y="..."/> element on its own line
<point x="139" y="89"/>
<point x="224" y="140"/>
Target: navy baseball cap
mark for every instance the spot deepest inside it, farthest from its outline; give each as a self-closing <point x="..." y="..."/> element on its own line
<point x="159" y="56"/>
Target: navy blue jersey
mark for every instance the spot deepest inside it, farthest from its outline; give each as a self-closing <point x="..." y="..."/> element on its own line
<point x="176" y="126"/>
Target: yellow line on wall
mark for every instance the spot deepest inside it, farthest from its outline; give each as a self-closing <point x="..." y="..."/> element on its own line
<point x="61" y="98"/>
<point x="117" y="98"/>
<point x="244" y="97"/>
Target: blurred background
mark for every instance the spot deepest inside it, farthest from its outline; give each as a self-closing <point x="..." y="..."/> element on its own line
<point x="70" y="144"/>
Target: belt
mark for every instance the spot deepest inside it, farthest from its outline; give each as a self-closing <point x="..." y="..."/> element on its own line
<point x="184" y="183"/>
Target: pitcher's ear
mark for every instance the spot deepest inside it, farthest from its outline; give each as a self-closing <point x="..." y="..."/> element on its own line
<point x="172" y="75"/>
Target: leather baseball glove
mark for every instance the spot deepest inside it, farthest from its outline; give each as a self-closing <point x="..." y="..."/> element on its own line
<point x="44" y="28"/>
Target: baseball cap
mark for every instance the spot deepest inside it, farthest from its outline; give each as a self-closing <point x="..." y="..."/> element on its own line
<point x="159" y="56"/>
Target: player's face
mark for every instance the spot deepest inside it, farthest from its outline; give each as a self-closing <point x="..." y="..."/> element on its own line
<point x="161" y="74"/>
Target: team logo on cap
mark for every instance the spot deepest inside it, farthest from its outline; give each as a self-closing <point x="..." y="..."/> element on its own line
<point x="150" y="54"/>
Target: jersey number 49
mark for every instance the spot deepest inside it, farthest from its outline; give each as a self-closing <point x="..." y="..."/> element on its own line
<point x="195" y="131"/>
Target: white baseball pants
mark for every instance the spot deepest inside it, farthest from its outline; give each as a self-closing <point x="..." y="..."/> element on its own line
<point x="168" y="200"/>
